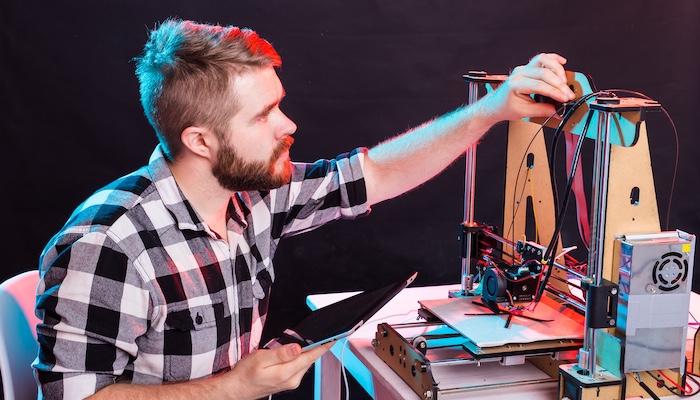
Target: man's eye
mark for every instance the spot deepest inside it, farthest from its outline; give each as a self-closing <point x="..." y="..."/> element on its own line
<point x="262" y="118"/>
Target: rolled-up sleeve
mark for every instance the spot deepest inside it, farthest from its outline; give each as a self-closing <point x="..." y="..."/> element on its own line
<point x="321" y="192"/>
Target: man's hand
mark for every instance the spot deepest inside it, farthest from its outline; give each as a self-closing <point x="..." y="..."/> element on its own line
<point x="259" y="374"/>
<point x="408" y="160"/>
<point x="265" y="372"/>
<point x="543" y="75"/>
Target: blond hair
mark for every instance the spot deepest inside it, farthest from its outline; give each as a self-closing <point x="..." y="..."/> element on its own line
<point x="186" y="75"/>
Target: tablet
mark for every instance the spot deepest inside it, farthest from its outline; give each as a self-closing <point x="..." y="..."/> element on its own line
<point x="339" y="319"/>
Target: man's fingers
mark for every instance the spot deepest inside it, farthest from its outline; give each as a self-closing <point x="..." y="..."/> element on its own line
<point x="317" y="352"/>
<point x="288" y="352"/>
<point x="548" y="60"/>
<point x="526" y="85"/>
<point x="294" y="363"/>
<point x="552" y="62"/>
<point x="561" y="60"/>
<point x="545" y="82"/>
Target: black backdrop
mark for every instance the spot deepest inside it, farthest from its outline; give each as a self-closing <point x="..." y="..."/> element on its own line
<point x="355" y="72"/>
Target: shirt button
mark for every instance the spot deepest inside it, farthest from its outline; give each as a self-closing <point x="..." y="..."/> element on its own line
<point x="198" y="319"/>
<point x="258" y="291"/>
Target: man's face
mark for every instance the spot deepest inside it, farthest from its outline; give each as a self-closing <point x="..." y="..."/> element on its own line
<point x="254" y="155"/>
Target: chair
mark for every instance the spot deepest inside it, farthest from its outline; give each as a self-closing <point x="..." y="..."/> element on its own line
<point x="18" y="342"/>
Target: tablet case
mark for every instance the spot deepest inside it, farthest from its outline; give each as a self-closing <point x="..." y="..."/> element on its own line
<point x="339" y="319"/>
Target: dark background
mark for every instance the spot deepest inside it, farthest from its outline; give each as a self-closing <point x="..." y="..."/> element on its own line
<point x="356" y="73"/>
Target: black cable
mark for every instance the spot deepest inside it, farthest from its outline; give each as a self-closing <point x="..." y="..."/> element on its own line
<point x="550" y="251"/>
<point x="572" y="173"/>
<point x="648" y="390"/>
<point x="561" y="209"/>
<point x="662" y="384"/>
<point x="621" y="368"/>
<point x="515" y="187"/>
<point x="697" y="384"/>
<point x="557" y="134"/>
<point x="558" y="217"/>
<point x="517" y="177"/>
<point x="675" y="133"/>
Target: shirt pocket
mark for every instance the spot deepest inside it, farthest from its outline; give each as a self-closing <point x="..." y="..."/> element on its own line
<point x="196" y="341"/>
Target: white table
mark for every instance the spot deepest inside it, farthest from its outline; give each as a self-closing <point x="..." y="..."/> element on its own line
<point x="356" y="354"/>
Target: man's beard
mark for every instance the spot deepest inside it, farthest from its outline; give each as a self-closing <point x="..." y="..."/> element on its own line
<point x="236" y="174"/>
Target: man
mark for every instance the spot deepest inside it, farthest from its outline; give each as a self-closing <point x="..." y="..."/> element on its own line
<point x="164" y="275"/>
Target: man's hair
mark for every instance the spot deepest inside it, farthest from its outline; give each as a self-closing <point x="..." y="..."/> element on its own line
<point x="186" y="75"/>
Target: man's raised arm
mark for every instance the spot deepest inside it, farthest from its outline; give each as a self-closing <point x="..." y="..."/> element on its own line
<point x="408" y="160"/>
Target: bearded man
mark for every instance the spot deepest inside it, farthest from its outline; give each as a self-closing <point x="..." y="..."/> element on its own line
<point x="164" y="275"/>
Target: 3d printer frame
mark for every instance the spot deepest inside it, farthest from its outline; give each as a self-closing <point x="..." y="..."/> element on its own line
<point x="509" y="269"/>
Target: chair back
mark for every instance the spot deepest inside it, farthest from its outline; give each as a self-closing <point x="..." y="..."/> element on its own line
<point x="18" y="340"/>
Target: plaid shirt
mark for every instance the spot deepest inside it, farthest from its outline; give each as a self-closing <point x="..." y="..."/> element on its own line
<point x="136" y="288"/>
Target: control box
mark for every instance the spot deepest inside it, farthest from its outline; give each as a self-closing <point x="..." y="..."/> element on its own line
<point x="655" y="282"/>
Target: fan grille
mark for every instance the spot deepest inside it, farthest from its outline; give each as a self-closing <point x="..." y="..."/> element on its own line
<point x="670" y="271"/>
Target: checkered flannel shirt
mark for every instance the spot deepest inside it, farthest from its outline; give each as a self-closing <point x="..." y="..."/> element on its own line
<point x="136" y="288"/>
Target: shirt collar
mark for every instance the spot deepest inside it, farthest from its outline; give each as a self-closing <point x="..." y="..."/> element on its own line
<point x="173" y="199"/>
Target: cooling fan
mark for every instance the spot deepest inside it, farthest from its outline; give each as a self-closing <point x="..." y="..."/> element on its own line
<point x="670" y="271"/>
<point x="655" y="278"/>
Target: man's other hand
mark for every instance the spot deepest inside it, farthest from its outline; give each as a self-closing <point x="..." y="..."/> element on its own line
<point x="265" y="372"/>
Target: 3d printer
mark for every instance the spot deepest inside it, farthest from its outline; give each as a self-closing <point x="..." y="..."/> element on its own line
<point x="609" y="327"/>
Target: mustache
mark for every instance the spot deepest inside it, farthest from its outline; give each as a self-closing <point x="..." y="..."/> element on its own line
<point x="287" y="142"/>
<point x="284" y="145"/>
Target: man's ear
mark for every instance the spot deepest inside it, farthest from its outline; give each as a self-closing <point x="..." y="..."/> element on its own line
<point x="200" y="141"/>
